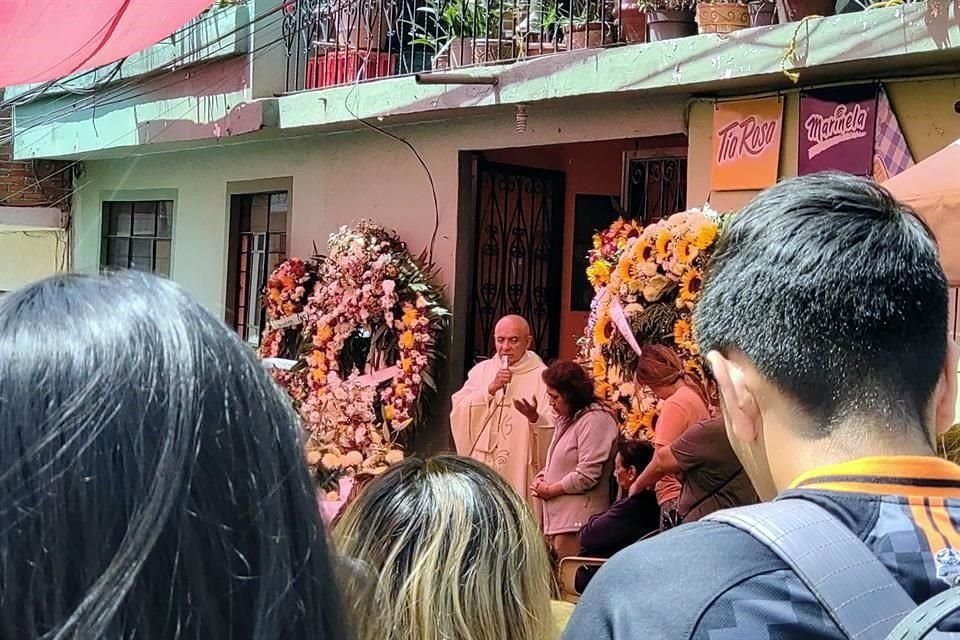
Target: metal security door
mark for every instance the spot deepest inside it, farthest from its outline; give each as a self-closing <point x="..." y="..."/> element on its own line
<point x="518" y="255"/>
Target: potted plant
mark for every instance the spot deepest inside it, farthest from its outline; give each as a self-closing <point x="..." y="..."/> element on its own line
<point x="463" y="32"/>
<point x="590" y="25"/>
<point x="722" y="16"/>
<point x="669" y="19"/>
<point x="796" y="10"/>
<point x="762" y="12"/>
<point x="543" y="36"/>
<point x="632" y="22"/>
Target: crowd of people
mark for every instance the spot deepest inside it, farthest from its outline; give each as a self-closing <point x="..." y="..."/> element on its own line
<point x="152" y="484"/>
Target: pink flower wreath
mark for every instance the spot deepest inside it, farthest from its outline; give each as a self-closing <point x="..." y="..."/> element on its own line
<point x="366" y="349"/>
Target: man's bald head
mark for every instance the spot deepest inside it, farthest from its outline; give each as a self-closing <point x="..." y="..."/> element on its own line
<point x="512" y="338"/>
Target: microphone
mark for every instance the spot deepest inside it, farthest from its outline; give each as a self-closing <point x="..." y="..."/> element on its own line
<point x="504" y="364"/>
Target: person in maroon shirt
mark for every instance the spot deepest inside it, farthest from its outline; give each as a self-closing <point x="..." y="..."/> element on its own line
<point x="628" y="519"/>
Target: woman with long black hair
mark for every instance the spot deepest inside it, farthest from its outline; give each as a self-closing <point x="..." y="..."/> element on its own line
<point x="151" y="475"/>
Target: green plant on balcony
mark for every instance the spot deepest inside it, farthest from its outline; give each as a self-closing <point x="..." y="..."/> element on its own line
<point x="461" y="31"/>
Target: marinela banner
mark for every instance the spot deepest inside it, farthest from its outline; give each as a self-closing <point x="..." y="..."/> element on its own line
<point x="837" y="130"/>
<point x="746" y="144"/>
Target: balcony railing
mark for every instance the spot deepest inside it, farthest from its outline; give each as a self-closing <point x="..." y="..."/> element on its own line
<point x="335" y="42"/>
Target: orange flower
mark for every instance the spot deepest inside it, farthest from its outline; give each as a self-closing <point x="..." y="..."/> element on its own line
<point x="682" y="332"/>
<point x="406" y="364"/>
<point x="599" y="369"/>
<point x="324" y="333"/>
<point x="410" y="316"/>
<point x="690" y="285"/>
<point x="407" y="340"/>
<point x="388" y="412"/>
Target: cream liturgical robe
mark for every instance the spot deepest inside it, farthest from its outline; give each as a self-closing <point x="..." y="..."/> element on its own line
<point x="504" y="439"/>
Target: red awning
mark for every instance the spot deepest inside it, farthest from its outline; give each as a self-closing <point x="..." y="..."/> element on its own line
<point x="44" y="40"/>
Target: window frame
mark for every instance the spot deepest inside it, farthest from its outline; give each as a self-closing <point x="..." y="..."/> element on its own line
<point x="109" y="208"/>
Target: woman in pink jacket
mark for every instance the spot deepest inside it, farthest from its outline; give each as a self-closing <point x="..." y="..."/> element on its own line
<point x="575" y="482"/>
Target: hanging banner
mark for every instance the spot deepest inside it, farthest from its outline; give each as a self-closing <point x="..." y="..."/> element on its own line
<point x="837" y="130"/>
<point x="746" y="144"/>
<point x="891" y="155"/>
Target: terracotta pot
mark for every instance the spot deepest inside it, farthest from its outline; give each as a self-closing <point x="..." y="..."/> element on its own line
<point x="722" y="17"/>
<point x="361" y="26"/>
<point x="589" y="36"/>
<point x="633" y="22"/>
<point x="491" y="50"/>
<point x="545" y="48"/>
<point x="796" y="10"/>
<point x="463" y="52"/>
<point x="763" y="13"/>
<point x="667" y="24"/>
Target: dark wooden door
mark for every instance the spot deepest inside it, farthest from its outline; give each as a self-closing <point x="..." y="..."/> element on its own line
<point x="517" y="255"/>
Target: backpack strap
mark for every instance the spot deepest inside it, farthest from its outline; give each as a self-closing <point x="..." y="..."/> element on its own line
<point x="852" y="585"/>
<point x="922" y="621"/>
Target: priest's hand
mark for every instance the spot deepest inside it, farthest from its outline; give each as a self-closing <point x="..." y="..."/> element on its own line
<point x="504" y="377"/>
<point x="528" y="408"/>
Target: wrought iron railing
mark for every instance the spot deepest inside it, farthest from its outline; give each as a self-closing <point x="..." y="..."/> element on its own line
<point x="335" y="42"/>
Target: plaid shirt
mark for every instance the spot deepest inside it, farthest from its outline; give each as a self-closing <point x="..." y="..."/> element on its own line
<point x="709" y="581"/>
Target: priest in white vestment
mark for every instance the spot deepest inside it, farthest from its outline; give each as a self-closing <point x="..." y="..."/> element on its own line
<point x="503" y="403"/>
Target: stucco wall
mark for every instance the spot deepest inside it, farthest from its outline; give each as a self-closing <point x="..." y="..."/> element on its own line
<point x="338" y="179"/>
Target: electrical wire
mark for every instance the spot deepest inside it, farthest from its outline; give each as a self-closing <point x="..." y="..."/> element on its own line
<point x="413" y="149"/>
<point x="254" y="55"/>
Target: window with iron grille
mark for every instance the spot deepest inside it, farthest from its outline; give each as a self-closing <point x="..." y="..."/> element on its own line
<point x="258" y="243"/>
<point x="137" y="235"/>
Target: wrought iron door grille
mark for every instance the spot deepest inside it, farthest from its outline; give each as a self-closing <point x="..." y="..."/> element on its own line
<point x="518" y="258"/>
<point x="656" y="187"/>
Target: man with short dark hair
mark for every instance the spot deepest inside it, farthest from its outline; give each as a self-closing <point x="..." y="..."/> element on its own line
<point x="824" y="320"/>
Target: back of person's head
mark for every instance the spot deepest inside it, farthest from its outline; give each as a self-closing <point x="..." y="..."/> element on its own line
<point x="451" y="551"/>
<point x="824" y="313"/>
<point x="635" y="454"/>
<point x="659" y="367"/>
<point x="151" y="477"/>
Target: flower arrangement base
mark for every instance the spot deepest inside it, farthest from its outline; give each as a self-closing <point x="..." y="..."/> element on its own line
<point x="669" y="24"/>
<point x="763" y="13"/>
<point x="722" y="17"/>
<point x="336" y="67"/>
<point x="796" y="10"/>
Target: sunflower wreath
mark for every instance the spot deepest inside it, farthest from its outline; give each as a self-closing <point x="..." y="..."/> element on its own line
<point x="652" y="275"/>
<point x="366" y="348"/>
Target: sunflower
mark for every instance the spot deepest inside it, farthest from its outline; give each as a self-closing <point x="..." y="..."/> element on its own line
<point x="599" y="369"/>
<point x="690" y="285"/>
<point x="682" y="332"/>
<point x="634" y="422"/>
<point x="603" y="330"/>
<point x="693" y="366"/>
<point x="663" y="244"/>
<point x="598" y="273"/>
<point x="686" y="250"/>
<point x="704" y="235"/>
<point x="626" y="270"/>
<point x="647" y="421"/>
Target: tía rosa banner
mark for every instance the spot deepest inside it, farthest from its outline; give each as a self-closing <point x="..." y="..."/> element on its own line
<point x="746" y="144"/>
<point x="837" y="130"/>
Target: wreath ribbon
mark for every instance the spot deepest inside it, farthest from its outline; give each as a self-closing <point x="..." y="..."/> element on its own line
<point x="620" y="321"/>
